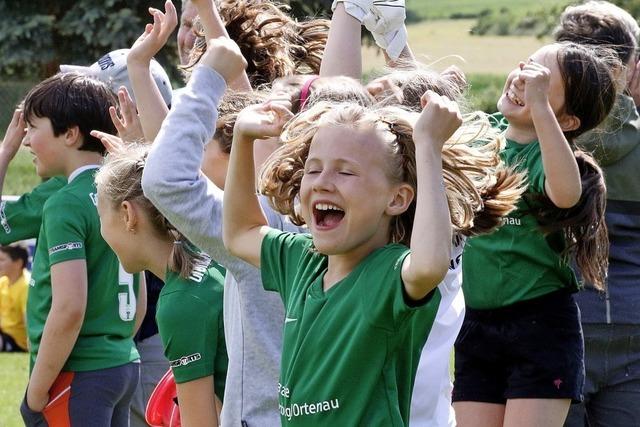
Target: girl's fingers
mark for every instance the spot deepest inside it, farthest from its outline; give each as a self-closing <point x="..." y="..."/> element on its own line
<point x="117" y="121"/>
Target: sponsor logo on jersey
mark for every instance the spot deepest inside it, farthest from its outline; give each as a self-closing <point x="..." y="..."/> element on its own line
<point x="32" y="282"/>
<point x="200" y="268"/>
<point x="289" y="319"/>
<point x="65" y="247"/>
<point x="511" y="221"/>
<point x="185" y="360"/>
<point x="94" y="198"/>
<point x="3" y="218"/>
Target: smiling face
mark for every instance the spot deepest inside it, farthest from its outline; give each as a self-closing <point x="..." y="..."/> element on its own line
<point x="346" y="194"/>
<point x="45" y="146"/>
<point x="512" y="102"/>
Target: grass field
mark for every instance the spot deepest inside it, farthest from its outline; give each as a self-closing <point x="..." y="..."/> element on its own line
<point x="442" y="43"/>
<point x="443" y="9"/>
<point x="14" y="369"/>
<point x="21" y="176"/>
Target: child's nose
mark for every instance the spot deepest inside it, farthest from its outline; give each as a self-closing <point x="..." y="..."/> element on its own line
<point x="323" y="182"/>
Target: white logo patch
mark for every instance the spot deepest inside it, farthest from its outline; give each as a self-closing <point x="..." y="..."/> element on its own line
<point x="65" y="247"/>
<point x="3" y="219"/>
<point x="185" y="360"/>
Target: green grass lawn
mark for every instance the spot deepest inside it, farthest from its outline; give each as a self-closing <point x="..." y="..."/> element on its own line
<point x="21" y="176"/>
<point x="14" y="371"/>
<point x="443" y="9"/>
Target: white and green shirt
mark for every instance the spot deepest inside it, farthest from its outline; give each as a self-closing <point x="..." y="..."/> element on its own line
<point x="189" y="316"/>
<point x="350" y="354"/>
<point x="70" y="230"/>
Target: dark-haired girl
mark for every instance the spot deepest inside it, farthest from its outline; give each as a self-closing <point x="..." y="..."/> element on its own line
<point x="519" y="355"/>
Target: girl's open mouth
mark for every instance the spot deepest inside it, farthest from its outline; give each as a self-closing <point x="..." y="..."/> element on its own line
<point x="327" y="215"/>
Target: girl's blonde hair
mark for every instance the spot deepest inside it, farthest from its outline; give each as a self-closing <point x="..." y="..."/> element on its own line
<point x="480" y="189"/>
<point x="119" y="179"/>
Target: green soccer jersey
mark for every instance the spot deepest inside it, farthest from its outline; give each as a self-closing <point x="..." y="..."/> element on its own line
<point x="21" y="219"/>
<point x="517" y="262"/>
<point x="350" y="354"/>
<point x="189" y="316"/>
<point x="70" y="230"/>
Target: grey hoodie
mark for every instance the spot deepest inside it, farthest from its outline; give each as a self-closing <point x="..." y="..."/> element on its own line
<point x="253" y="318"/>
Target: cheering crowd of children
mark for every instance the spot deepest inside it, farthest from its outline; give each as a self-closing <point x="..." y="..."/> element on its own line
<point x="312" y="246"/>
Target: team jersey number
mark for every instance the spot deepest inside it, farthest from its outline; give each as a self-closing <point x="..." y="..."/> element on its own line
<point x="127" y="299"/>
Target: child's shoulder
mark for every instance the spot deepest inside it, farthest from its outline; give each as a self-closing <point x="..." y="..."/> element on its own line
<point x="76" y="197"/>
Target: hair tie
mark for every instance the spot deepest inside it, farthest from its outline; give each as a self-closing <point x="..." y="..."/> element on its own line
<point x="177" y="242"/>
<point x="305" y="91"/>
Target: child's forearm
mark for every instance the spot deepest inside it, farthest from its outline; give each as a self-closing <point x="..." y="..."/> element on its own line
<point x="58" y="338"/>
<point x="343" y="52"/>
<point x="242" y="214"/>
<point x="151" y="106"/>
<point x="197" y="403"/>
<point x="214" y="28"/>
<point x="431" y="235"/>
<point x="562" y="177"/>
<point x="5" y="160"/>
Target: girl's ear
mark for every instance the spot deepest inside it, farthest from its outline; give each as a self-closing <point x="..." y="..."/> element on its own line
<point x="568" y="122"/>
<point x="130" y="215"/>
<point x="401" y="200"/>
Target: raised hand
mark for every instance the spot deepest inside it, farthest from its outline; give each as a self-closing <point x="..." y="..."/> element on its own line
<point x="537" y="80"/>
<point x="13" y="136"/>
<point x="112" y="143"/>
<point x="127" y="123"/>
<point x="439" y="120"/>
<point x="384" y="87"/>
<point x="455" y="75"/>
<point x="262" y="121"/>
<point x="224" y="56"/>
<point x="155" y="35"/>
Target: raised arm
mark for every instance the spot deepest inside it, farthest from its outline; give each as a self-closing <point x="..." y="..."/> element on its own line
<point x="343" y="52"/>
<point x="151" y="107"/>
<point x="214" y="28"/>
<point x="244" y="223"/>
<point x="562" y="177"/>
<point x="11" y="143"/>
<point x="172" y="180"/>
<point x="428" y="262"/>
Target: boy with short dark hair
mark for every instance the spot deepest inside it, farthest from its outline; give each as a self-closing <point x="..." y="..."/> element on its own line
<point x="81" y="309"/>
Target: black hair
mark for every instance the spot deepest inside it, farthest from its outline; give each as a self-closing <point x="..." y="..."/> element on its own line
<point x="16" y="252"/>
<point x="73" y="99"/>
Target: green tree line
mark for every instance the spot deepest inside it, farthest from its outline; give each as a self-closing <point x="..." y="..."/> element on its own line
<point x="39" y="35"/>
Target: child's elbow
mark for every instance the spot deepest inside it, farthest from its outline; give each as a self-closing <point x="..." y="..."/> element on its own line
<point x="71" y="316"/>
<point x="567" y="200"/>
<point x="428" y="275"/>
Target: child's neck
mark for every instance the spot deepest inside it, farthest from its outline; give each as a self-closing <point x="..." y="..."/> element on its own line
<point x="160" y="257"/>
<point x="80" y="159"/>
<point x="521" y="134"/>
<point x="339" y="266"/>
